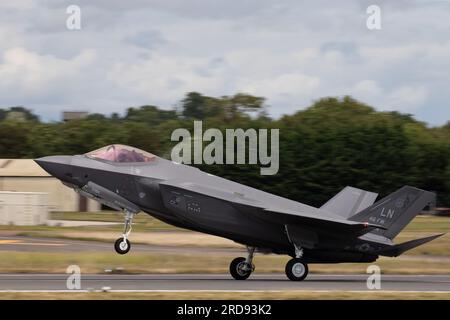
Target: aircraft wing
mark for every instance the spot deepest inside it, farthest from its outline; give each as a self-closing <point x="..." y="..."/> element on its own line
<point x="232" y="197"/>
<point x="277" y="215"/>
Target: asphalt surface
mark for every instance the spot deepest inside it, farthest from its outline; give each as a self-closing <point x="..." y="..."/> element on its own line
<point x="190" y="282"/>
<point x="224" y="282"/>
<point x="36" y="244"/>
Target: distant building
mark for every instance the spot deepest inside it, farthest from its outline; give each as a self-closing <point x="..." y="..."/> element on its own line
<point x="24" y="175"/>
<point x="23" y="208"/>
<point x="16" y="116"/>
<point x="74" y="115"/>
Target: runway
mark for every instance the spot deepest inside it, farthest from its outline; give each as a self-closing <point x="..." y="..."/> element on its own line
<point x="192" y="282"/>
<point x="223" y="282"/>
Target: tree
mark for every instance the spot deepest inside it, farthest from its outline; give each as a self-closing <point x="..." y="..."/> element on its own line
<point x="96" y="116"/>
<point x="13" y="139"/>
<point x="150" y="115"/>
<point x="246" y="103"/>
<point x="240" y="104"/>
<point x="198" y="106"/>
<point x="24" y="113"/>
<point x="193" y="106"/>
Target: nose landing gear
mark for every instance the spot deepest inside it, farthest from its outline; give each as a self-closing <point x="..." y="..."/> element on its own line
<point x="123" y="245"/>
<point x="241" y="268"/>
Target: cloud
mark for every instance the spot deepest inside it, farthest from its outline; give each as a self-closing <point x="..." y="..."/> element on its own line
<point x="148" y="39"/>
<point x="368" y="89"/>
<point x="153" y="52"/>
<point x="287" y="89"/>
<point x="404" y="98"/>
<point x="160" y="78"/>
<point x="32" y="75"/>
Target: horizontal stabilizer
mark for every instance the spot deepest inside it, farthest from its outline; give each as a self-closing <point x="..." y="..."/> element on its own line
<point x="349" y="201"/>
<point x="398" y="249"/>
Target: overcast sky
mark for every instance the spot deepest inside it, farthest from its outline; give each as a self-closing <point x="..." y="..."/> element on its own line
<point x="131" y="53"/>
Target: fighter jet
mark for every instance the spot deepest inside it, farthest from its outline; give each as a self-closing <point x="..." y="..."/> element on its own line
<point x="350" y="227"/>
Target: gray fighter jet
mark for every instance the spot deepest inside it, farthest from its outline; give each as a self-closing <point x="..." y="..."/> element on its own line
<point x="350" y="227"/>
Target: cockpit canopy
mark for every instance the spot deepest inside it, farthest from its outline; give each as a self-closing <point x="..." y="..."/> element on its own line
<point x="121" y="153"/>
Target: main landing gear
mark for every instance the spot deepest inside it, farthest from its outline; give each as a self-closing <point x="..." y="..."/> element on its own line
<point x="296" y="269"/>
<point x="123" y="245"/>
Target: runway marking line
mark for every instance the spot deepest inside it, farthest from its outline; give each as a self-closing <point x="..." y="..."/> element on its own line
<point x="212" y="275"/>
<point x="21" y="242"/>
<point x="10" y="241"/>
<point x="43" y="244"/>
<point x="221" y="291"/>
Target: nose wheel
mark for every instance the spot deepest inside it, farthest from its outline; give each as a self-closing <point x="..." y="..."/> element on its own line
<point x="123" y="245"/>
<point x="241" y="268"/>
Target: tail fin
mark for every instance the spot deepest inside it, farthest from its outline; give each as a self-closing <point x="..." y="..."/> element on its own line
<point x="349" y="201"/>
<point x="396" y="210"/>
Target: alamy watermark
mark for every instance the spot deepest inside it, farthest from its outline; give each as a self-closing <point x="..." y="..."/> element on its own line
<point x="373" y="21"/>
<point x="374" y="280"/>
<point x="73" y="281"/>
<point x="234" y="149"/>
<point x="73" y="21"/>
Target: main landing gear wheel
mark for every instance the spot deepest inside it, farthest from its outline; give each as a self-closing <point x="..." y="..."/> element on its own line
<point x="296" y="269"/>
<point x="122" y="246"/>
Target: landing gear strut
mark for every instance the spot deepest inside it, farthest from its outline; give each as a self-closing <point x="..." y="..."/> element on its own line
<point x="123" y="245"/>
<point x="241" y="268"/>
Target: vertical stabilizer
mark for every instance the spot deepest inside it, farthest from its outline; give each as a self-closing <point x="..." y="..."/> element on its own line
<point x="349" y="201"/>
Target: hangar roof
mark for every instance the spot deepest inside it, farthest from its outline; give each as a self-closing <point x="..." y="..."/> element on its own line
<point x="21" y="168"/>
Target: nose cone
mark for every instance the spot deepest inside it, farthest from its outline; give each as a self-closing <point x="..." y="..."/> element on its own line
<point x="55" y="165"/>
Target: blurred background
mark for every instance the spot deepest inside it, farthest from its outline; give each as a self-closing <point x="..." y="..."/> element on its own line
<point x="333" y="143"/>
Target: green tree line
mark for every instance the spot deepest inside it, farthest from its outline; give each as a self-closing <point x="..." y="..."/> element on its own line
<point x="333" y="143"/>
